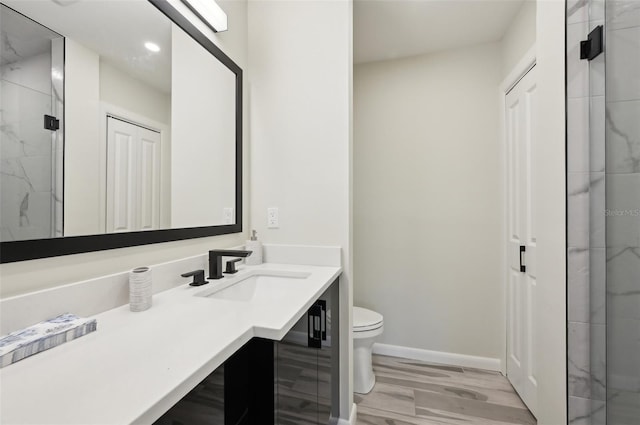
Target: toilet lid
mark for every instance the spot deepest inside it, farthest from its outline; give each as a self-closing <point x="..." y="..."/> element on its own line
<point x="365" y="320"/>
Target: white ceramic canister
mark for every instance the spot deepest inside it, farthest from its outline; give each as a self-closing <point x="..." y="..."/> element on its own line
<point x="140" y="290"/>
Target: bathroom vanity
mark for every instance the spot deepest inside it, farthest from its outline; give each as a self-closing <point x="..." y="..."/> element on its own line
<point x="137" y="366"/>
<point x="271" y="382"/>
<point x="174" y="109"/>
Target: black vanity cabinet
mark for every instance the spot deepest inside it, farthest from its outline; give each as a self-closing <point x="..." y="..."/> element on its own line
<point x="266" y="382"/>
<point x="303" y="362"/>
<point x="240" y="392"/>
<point x="203" y="405"/>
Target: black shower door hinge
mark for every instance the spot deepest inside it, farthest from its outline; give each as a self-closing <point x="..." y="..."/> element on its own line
<point x="51" y="123"/>
<point x="593" y="45"/>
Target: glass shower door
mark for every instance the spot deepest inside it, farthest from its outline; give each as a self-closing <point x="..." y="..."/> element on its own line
<point x="623" y="210"/>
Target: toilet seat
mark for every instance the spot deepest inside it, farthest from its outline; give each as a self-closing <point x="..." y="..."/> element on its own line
<point x="365" y="320"/>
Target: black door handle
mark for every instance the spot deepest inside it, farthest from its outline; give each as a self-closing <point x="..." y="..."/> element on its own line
<point x="523" y="267"/>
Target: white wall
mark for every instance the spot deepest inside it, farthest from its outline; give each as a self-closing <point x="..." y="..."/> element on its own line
<point x="551" y="213"/>
<point x="300" y="56"/>
<point x="519" y="37"/>
<point x="26" y="276"/>
<point x="82" y="141"/>
<point x="427" y="199"/>
<point x="120" y="89"/>
<point x="203" y="133"/>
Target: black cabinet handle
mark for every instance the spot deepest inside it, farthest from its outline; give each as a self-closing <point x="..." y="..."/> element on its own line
<point x="314" y="328"/>
<point x="523" y="267"/>
<point x="323" y="323"/>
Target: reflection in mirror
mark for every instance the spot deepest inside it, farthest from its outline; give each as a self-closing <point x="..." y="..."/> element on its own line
<point x="31" y="62"/>
<point x="202" y="170"/>
<point x="147" y="122"/>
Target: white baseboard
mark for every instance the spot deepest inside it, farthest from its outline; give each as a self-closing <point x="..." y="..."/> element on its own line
<point x="454" y="359"/>
<point x="352" y="417"/>
<point x="354" y="414"/>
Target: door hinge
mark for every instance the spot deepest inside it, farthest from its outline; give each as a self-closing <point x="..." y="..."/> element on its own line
<point x="523" y="267"/>
<point x="51" y="123"/>
<point x="593" y="45"/>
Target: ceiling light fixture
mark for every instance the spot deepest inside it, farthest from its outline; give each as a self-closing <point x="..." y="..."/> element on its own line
<point x="209" y="12"/>
<point x="152" y="47"/>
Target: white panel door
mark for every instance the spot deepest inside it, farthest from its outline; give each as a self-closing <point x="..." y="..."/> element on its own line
<point x="149" y="171"/>
<point x="133" y="177"/>
<point x="521" y="240"/>
<point x="121" y="176"/>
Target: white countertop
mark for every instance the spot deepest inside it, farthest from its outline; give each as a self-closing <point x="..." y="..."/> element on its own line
<point x="137" y="365"/>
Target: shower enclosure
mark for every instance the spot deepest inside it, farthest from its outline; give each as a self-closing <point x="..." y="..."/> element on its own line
<point x="31" y="88"/>
<point x="603" y="226"/>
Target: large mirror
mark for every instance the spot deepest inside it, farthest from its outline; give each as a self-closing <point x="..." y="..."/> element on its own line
<point x="120" y="125"/>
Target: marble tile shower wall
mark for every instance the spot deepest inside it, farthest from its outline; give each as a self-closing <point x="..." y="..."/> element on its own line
<point x="586" y="219"/>
<point x="26" y="149"/>
<point x="623" y="211"/>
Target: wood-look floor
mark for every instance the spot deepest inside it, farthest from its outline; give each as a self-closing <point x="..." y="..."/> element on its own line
<point x="409" y="392"/>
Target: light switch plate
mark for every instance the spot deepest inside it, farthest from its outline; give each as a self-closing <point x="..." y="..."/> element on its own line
<point x="272" y="218"/>
<point x="227" y="214"/>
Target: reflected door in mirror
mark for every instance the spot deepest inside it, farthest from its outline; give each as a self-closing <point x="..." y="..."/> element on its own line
<point x="133" y="177"/>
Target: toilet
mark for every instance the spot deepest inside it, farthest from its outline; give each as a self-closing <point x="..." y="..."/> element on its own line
<point x="367" y="325"/>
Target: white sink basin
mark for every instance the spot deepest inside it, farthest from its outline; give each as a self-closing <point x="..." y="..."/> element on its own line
<point x="258" y="286"/>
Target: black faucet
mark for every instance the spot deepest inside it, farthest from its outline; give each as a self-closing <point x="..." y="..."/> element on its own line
<point x="198" y="277"/>
<point x="215" y="260"/>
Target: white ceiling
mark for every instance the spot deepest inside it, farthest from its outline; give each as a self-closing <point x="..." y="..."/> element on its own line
<point x="116" y="30"/>
<point x="392" y="29"/>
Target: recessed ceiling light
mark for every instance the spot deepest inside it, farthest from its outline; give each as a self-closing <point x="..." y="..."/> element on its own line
<point x="152" y="47"/>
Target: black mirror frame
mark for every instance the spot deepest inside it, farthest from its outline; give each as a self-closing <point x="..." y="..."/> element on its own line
<point x="43" y="248"/>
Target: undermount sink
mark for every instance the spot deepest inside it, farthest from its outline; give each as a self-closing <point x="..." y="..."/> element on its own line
<point x="263" y="286"/>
